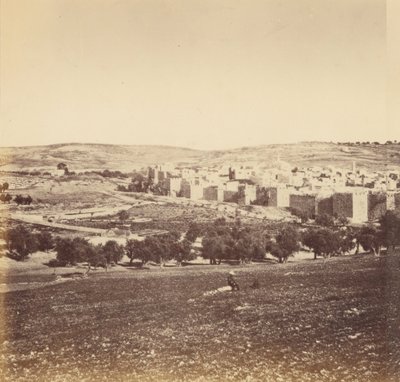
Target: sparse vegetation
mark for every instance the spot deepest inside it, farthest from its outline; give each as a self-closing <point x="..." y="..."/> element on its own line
<point x="119" y="158"/>
<point x="24" y="200"/>
<point x="5" y="198"/>
<point x="303" y="215"/>
<point x="123" y="215"/>
<point x="4" y="187"/>
<point x="164" y="325"/>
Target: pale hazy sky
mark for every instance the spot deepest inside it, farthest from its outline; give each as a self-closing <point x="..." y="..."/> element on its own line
<point x="201" y="74"/>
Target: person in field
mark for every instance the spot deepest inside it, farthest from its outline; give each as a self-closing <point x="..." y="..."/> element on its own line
<point x="255" y="284"/>
<point x="232" y="282"/>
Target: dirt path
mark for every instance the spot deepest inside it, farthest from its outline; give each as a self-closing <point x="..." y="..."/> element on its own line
<point x="38" y="220"/>
<point x="12" y="287"/>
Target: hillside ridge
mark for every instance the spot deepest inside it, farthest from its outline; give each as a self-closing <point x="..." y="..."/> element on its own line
<point x="124" y="157"/>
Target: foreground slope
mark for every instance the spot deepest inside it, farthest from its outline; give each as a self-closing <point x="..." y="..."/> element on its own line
<point x="334" y="320"/>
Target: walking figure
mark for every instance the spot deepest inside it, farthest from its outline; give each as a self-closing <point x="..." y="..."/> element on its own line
<point x="232" y="282"/>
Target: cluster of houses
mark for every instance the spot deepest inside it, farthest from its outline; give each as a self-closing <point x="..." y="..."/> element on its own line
<point x="355" y="193"/>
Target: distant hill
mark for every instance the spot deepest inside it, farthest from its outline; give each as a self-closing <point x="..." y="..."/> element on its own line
<point x="80" y="156"/>
<point x="315" y="154"/>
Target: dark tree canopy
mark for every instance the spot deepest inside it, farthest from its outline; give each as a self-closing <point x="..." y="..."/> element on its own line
<point x="214" y="248"/>
<point x="231" y="242"/>
<point x="286" y="242"/>
<point x="112" y="251"/>
<point x="325" y="220"/>
<point x="135" y="249"/>
<point x="123" y="215"/>
<point x="183" y="251"/>
<point x="21" y="242"/>
<point x="390" y="228"/>
<point x="72" y="251"/>
<point x="370" y="238"/>
<point x="342" y="221"/>
<point x="322" y="241"/>
<point x="45" y="241"/>
<point x="24" y="200"/>
<point x="347" y="240"/>
<point x="159" y="249"/>
<point x="193" y="232"/>
<point x="5" y="198"/>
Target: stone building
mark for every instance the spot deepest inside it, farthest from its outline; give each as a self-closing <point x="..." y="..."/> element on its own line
<point x="282" y="197"/>
<point x="324" y="205"/>
<point x="377" y="205"/>
<point x="352" y="205"/>
<point x="247" y="194"/>
<point x="210" y="193"/>
<point x="360" y="207"/>
<point x="303" y="203"/>
<point x="173" y="185"/>
<point x="342" y="204"/>
<point x="231" y="196"/>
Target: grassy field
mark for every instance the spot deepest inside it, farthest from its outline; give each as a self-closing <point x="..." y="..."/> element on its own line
<point x="334" y="320"/>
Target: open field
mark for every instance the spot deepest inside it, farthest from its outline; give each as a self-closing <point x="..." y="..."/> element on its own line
<point x="334" y="320"/>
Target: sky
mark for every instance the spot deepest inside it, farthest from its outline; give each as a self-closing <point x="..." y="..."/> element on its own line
<point x="206" y="74"/>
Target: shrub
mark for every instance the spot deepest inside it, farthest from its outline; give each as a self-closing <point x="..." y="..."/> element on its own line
<point x="56" y="263"/>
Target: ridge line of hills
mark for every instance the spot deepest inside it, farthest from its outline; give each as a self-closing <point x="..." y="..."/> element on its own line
<point x="79" y="156"/>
